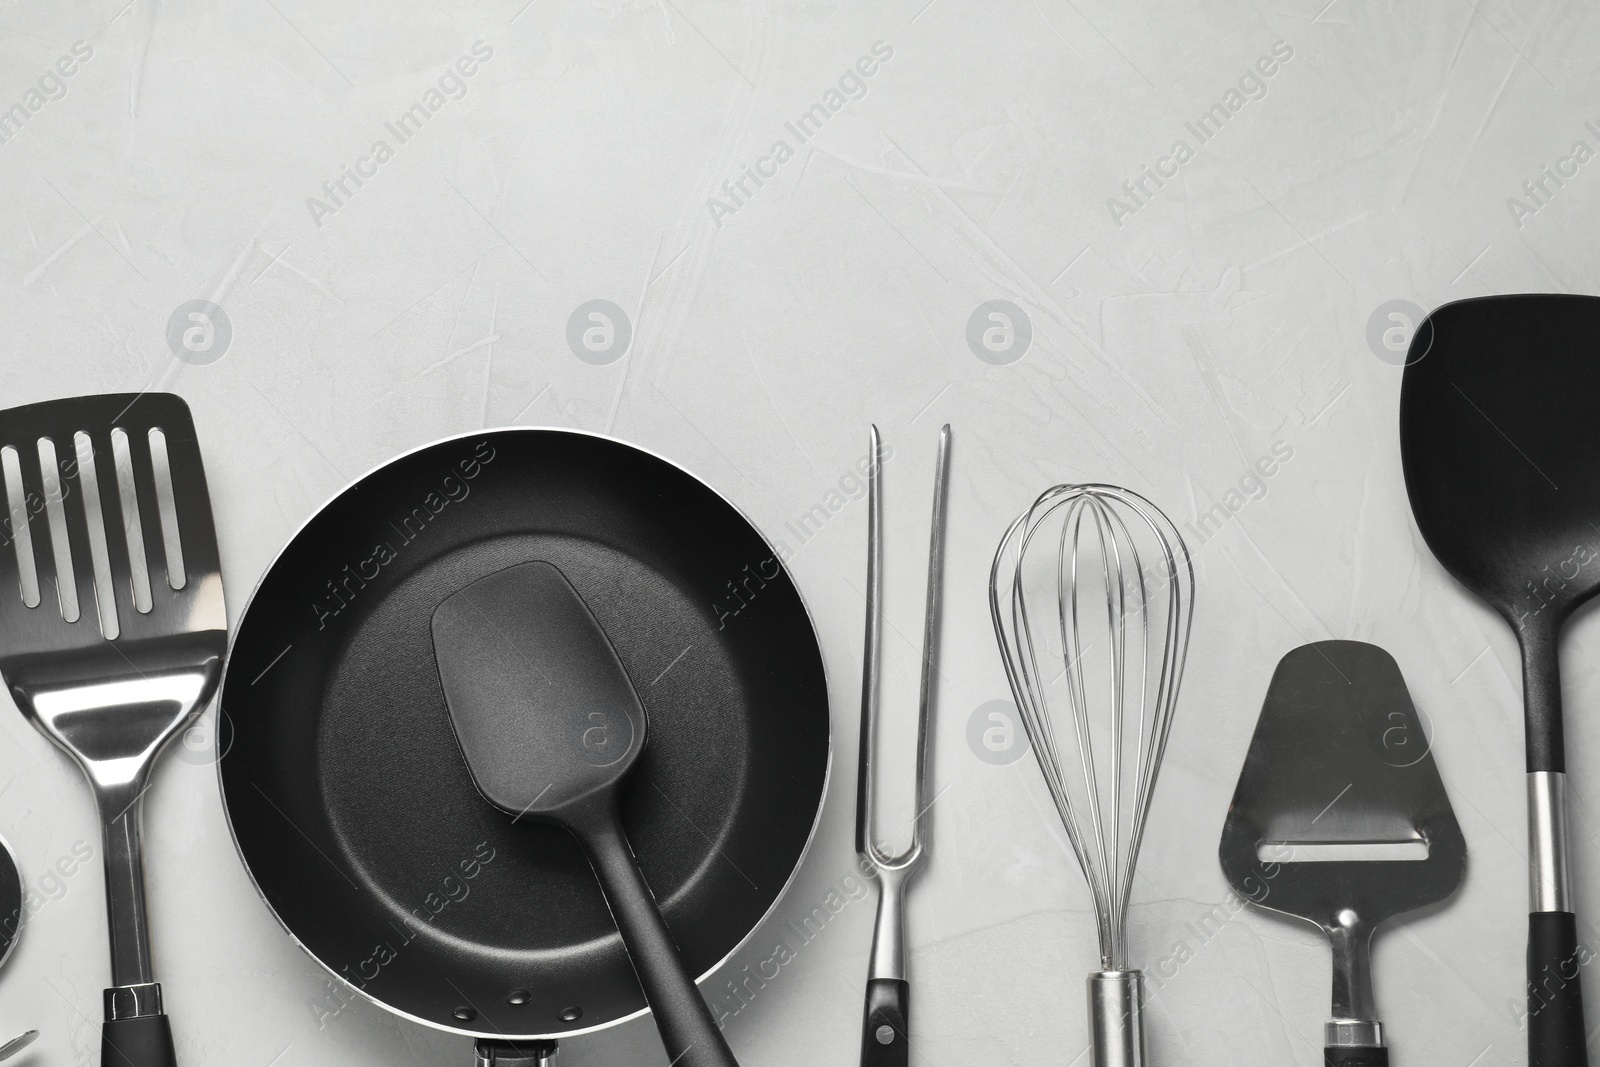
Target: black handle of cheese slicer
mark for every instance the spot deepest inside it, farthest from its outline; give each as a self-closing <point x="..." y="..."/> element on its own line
<point x="883" y="1030"/>
<point x="144" y="1041"/>
<point x="1355" y="1057"/>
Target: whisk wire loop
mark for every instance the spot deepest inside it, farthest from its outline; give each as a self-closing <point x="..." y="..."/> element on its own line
<point x="1101" y="537"/>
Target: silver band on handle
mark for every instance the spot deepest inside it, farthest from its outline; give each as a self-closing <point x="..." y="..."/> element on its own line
<point x="1547" y="842"/>
<point x="1116" y="1019"/>
<point x="1352" y="1033"/>
<point x="132" y="1001"/>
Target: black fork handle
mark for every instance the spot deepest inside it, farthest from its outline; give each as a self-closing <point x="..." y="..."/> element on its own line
<point x="885" y="1026"/>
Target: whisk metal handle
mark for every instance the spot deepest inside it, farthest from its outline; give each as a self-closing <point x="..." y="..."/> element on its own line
<point x="1116" y="1019"/>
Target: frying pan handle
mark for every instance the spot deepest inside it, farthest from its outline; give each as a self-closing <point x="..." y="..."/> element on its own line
<point x="143" y="1041"/>
<point x="888" y="1005"/>
<point x="687" y="1029"/>
<point x="1555" y="991"/>
<point x="1355" y="1057"/>
<point x="489" y="1052"/>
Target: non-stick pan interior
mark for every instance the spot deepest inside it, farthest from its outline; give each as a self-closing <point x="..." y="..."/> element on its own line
<point x="349" y="798"/>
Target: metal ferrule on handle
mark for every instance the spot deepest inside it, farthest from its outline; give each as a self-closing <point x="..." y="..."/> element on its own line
<point x="1557" y="1034"/>
<point x="1548" y="886"/>
<point x="1352" y="1033"/>
<point x="1116" y="1019"/>
<point x="133" y="1001"/>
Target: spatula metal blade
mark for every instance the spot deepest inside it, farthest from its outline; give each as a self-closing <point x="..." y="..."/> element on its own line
<point x="1340" y="757"/>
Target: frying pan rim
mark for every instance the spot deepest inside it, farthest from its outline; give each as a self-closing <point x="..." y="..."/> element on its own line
<point x="227" y="665"/>
<point x="16" y="865"/>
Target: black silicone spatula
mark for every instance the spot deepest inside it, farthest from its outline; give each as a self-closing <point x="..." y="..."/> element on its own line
<point x="1500" y="441"/>
<point x="1339" y="763"/>
<point x="550" y="726"/>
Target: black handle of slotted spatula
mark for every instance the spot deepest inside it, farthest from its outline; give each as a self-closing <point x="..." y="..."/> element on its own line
<point x="1355" y="1057"/>
<point x="1555" y="991"/>
<point x="145" y="1041"/>
<point x="884" y="1040"/>
<point x="687" y="1029"/>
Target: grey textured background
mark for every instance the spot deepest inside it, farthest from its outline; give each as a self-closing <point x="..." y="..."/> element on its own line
<point x="1174" y="343"/>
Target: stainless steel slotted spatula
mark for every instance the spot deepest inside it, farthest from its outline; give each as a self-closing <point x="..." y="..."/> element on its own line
<point x="112" y="632"/>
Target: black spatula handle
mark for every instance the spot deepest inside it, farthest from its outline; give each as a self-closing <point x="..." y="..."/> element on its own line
<point x="1555" y="995"/>
<point x="145" y="1041"/>
<point x="1355" y="1057"/>
<point x="687" y="1029"/>
<point x="1555" y="990"/>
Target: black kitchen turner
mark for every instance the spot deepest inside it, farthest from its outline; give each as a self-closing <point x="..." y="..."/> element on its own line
<point x="550" y="726"/>
<point x="1339" y="760"/>
<point x="1500" y="442"/>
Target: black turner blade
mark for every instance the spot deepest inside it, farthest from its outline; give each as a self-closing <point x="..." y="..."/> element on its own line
<point x="1339" y="757"/>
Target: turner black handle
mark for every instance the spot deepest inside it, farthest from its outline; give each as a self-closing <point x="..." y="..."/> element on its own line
<point x="888" y="1005"/>
<point x="1555" y="992"/>
<point x="687" y="1029"/>
<point x="1355" y="1057"/>
<point x="145" y="1041"/>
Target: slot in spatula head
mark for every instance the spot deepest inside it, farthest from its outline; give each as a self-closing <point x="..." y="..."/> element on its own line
<point x="543" y="709"/>
<point x="1340" y="757"/>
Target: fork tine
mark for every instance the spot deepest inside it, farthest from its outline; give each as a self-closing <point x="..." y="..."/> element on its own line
<point x="930" y="631"/>
<point x="869" y="659"/>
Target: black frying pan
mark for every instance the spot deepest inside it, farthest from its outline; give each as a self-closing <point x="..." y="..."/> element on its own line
<point x="349" y="798"/>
